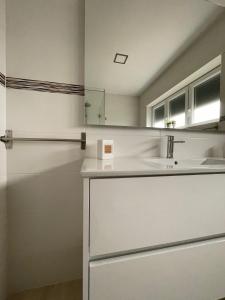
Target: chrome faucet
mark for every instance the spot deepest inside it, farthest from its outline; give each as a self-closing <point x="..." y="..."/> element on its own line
<point x="170" y="145"/>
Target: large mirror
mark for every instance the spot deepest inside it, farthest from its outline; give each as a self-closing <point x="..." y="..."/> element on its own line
<point x="155" y="63"/>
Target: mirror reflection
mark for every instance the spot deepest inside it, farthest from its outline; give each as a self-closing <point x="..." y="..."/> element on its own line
<point x="155" y="63"/>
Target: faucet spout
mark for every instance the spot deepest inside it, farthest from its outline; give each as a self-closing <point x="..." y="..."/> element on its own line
<point x="170" y="145"/>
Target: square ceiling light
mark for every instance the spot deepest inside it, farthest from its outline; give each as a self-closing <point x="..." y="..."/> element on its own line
<point x="120" y="58"/>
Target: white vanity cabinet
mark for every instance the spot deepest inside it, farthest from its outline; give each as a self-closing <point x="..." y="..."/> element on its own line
<point x="154" y="237"/>
<point x="195" y="272"/>
<point x="129" y="214"/>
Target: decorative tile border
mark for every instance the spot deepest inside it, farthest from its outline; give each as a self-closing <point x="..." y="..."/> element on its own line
<point x="44" y="86"/>
<point x="2" y="79"/>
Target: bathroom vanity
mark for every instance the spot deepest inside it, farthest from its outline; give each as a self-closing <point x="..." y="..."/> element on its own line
<point x="154" y="229"/>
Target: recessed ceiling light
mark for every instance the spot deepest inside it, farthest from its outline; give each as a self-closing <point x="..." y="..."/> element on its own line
<point x="217" y="2"/>
<point x="120" y="58"/>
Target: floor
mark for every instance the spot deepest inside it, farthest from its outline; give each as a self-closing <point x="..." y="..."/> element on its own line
<point x="63" y="291"/>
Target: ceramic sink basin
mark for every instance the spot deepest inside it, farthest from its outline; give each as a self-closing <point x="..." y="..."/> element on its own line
<point x="214" y="161"/>
<point x="151" y="166"/>
<point x="202" y="163"/>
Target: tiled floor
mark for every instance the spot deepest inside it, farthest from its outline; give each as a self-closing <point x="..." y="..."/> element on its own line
<point x="63" y="291"/>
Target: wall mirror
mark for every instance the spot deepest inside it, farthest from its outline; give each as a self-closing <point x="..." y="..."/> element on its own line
<point x="157" y="64"/>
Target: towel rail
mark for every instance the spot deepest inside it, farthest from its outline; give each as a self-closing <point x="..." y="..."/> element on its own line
<point x="8" y="140"/>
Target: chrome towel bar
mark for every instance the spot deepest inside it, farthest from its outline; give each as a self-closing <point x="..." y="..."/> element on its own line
<point x="8" y="139"/>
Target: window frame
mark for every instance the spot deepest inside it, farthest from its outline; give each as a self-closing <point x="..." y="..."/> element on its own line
<point x="166" y="102"/>
<point x="192" y="86"/>
<point x="162" y="103"/>
<point x="189" y="92"/>
<point x="184" y="91"/>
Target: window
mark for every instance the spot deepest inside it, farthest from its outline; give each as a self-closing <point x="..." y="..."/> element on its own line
<point x="206" y="99"/>
<point x="159" y="116"/>
<point x="198" y="103"/>
<point x="171" y="112"/>
<point x="177" y="114"/>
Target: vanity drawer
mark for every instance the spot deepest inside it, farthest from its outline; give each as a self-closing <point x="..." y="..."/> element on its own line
<point x="194" y="272"/>
<point x="143" y="212"/>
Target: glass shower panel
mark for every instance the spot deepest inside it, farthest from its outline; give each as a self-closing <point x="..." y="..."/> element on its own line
<point x="94" y="107"/>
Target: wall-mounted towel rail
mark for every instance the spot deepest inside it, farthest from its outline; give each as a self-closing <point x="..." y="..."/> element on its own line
<point x="8" y="139"/>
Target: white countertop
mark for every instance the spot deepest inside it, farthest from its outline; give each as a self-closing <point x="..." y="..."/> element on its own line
<point x="118" y="167"/>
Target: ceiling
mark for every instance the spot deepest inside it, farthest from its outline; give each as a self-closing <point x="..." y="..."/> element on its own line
<point x="152" y="32"/>
<point x="218" y="2"/>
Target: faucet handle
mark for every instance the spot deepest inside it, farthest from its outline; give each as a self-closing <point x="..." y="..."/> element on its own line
<point x="179" y="142"/>
<point x="171" y="139"/>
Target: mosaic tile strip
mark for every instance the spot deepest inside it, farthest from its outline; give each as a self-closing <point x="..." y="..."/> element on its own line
<point x="44" y="86"/>
<point x="2" y="79"/>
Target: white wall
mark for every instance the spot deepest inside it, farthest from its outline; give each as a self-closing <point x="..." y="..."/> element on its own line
<point x="121" y="110"/>
<point x="207" y="47"/>
<point x="2" y="37"/>
<point x="45" y="188"/>
<point x="3" y="175"/>
<point x="45" y="42"/>
<point x="146" y="143"/>
<point x="45" y="33"/>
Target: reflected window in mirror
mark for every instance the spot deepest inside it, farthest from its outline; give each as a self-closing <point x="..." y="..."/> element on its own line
<point x="206" y="99"/>
<point x="177" y="111"/>
<point x="196" y="105"/>
<point x="159" y="116"/>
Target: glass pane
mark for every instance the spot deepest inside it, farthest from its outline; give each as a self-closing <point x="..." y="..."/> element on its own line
<point x="177" y="111"/>
<point x="207" y="100"/>
<point x="159" y="116"/>
<point x="94" y="107"/>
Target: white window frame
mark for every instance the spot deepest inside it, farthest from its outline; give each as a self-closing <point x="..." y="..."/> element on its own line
<point x="189" y="101"/>
<point x="162" y="103"/>
<point x="192" y="86"/>
<point x="174" y="96"/>
<point x="166" y="102"/>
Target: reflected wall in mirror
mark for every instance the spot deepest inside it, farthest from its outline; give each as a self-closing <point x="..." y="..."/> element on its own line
<point x="155" y="63"/>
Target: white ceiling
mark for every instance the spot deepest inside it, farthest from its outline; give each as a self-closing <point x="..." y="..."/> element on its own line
<point x="218" y="2"/>
<point x="152" y="32"/>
